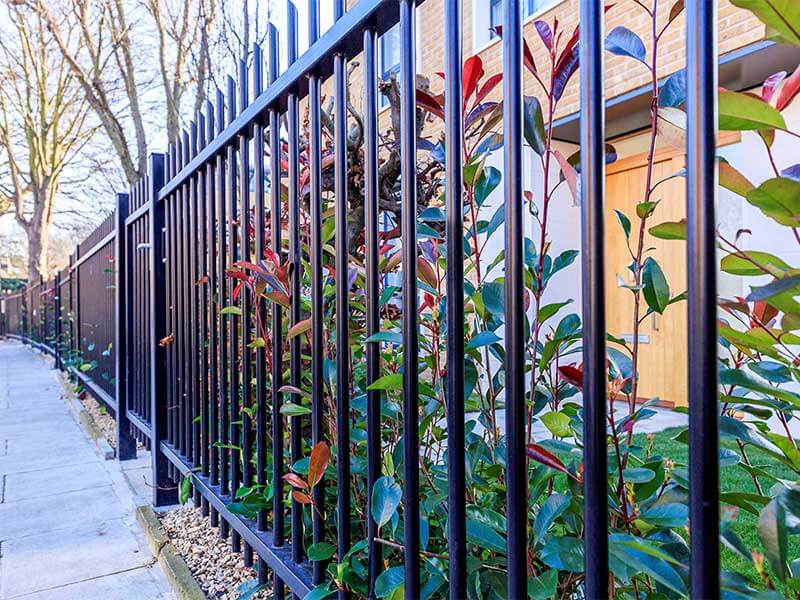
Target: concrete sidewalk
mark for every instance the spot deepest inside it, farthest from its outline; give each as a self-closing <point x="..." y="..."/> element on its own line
<point x="67" y="525"/>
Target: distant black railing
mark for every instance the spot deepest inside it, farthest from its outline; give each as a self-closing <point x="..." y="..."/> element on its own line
<point x="150" y="284"/>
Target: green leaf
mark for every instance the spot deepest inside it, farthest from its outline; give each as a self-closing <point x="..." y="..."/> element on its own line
<point x="484" y="338"/>
<point x="669" y="514"/>
<point x="740" y="265"/>
<point x="780" y="16"/>
<point x="744" y="112"/>
<point x="624" y="221"/>
<point x="772" y="531"/>
<point x="534" y="125"/>
<point x="483" y="535"/>
<point x="231" y="310"/>
<point x="487" y="183"/>
<point x="294" y="410"/>
<point x="675" y="230"/>
<point x="319" y="593"/>
<point x="638" y="474"/>
<point x="543" y="586"/>
<point x="186" y="490"/>
<point x="392" y="381"/>
<point x="644" y="557"/>
<point x="779" y="199"/>
<point x="551" y="509"/>
<point x="557" y="423"/>
<point x="656" y="288"/>
<point x="734" y="429"/>
<point x="386" y="495"/>
<point x="548" y="310"/>
<point x="321" y="551"/>
<point x="564" y="553"/>
<point x="392" y="337"/>
<point x="389" y="581"/>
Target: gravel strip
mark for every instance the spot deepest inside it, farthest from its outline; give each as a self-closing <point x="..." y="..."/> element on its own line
<point x="215" y="567"/>
<point x="104" y="421"/>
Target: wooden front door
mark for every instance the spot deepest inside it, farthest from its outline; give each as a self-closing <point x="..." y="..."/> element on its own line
<point x="662" y="338"/>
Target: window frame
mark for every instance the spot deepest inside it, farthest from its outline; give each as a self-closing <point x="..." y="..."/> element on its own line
<point x="483" y="39"/>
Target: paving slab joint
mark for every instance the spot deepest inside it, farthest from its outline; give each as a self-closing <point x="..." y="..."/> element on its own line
<point x="178" y="574"/>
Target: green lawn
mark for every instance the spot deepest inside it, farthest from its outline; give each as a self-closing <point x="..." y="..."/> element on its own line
<point x="733" y="478"/>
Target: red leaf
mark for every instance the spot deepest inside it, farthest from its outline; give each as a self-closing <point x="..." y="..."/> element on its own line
<point x="320" y="455"/>
<point x="166" y="341"/>
<point x="429" y="103"/>
<point x="295" y="480"/>
<point x="539" y="454"/>
<point x="301" y="497"/>
<point x="573" y="375"/>
<point x="771" y="83"/>
<point x="789" y="90"/>
<point x="238" y="289"/>
<point x="426" y="272"/>
<point x="488" y="86"/>
<point x="543" y="29"/>
<point x="473" y="71"/>
<point x="570" y="174"/>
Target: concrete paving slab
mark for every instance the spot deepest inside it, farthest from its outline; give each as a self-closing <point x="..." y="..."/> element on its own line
<point x="50" y="514"/>
<point x="23" y="462"/>
<point x="66" y="515"/>
<point x="55" y="481"/>
<point x="90" y="550"/>
<point x="136" y="584"/>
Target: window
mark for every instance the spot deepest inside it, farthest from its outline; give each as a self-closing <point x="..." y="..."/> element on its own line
<point x="529" y="7"/>
<point x="388" y="58"/>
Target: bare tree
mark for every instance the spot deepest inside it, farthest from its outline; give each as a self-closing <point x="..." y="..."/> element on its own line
<point x="44" y="126"/>
<point x="104" y="60"/>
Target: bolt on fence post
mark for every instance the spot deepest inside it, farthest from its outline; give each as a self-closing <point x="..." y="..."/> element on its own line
<point x="126" y="444"/>
<point x="164" y="491"/>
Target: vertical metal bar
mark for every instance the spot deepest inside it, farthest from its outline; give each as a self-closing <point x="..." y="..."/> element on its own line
<point x="277" y="313"/>
<point x="408" y="187"/>
<point x="223" y="285"/>
<point x="212" y="310"/>
<point x="246" y="337"/>
<point x="454" y="231"/>
<point x="373" y="320"/>
<point x="701" y="109"/>
<point x="317" y="286"/>
<point x="191" y="289"/>
<point x="183" y="275"/>
<point x="200" y="286"/>
<point x="295" y="364"/>
<point x="163" y="493"/>
<point x="593" y="289"/>
<point x="516" y="480"/>
<point x="260" y="355"/>
<point x="126" y="444"/>
<point x="342" y="303"/>
<point x="233" y="336"/>
<point x="169" y="279"/>
<point x="175" y="374"/>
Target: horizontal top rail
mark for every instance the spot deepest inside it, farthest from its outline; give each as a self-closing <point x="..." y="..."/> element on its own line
<point x="93" y="250"/>
<point x="344" y="37"/>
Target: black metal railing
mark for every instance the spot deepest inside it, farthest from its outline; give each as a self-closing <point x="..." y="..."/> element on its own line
<point x="189" y="372"/>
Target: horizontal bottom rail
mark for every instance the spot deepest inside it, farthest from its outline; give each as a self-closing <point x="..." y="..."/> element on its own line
<point x="140" y="424"/>
<point x="278" y="558"/>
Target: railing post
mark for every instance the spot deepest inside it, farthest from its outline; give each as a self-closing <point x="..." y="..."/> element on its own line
<point x="164" y="491"/>
<point x="57" y="319"/>
<point x="76" y="302"/>
<point x="126" y="444"/>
